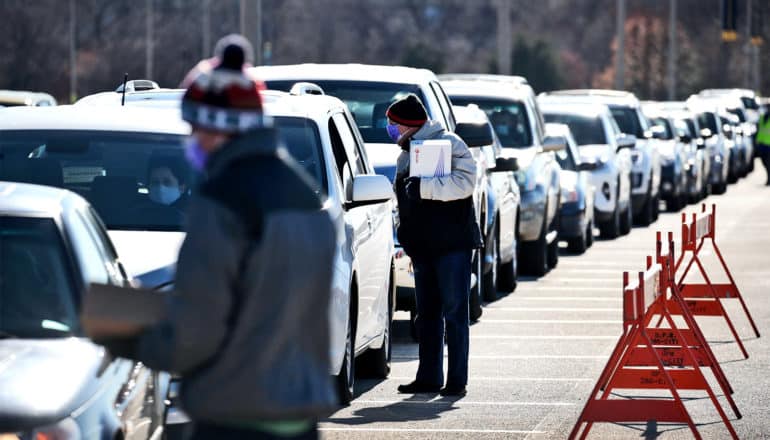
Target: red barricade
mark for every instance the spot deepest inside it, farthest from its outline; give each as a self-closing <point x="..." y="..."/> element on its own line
<point x="653" y="358"/>
<point x="705" y="299"/>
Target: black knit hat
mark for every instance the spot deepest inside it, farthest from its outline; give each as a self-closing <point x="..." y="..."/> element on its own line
<point x="407" y="111"/>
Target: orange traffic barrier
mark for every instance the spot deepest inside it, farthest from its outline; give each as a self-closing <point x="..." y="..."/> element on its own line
<point x="636" y="362"/>
<point x="705" y="299"/>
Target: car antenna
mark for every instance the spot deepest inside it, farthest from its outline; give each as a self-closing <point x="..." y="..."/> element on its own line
<point x="123" y="97"/>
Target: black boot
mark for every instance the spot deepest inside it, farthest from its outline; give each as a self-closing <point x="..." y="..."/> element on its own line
<point x="418" y="388"/>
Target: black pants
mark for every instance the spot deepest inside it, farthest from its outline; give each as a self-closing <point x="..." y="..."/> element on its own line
<point x="764" y="155"/>
<point x="205" y="431"/>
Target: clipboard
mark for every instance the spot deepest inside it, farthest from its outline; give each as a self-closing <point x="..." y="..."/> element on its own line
<point x="114" y="310"/>
<point x="430" y="158"/>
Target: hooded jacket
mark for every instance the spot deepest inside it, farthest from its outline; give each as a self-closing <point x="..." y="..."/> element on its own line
<point x="246" y="325"/>
<point x="443" y="220"/>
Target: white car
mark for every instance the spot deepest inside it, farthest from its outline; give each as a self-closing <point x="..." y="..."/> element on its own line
<point x="103" y="152"/>
<point x="600" y="142"/>
<point x="646" y="168"/>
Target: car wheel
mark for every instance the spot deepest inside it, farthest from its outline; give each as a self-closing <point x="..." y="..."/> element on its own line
<point x="611" y="229"/>
<point x="647" y="216"/>
<point x="474" y="302"/>
<point x="590" y="234"/>
<point x="490" y="278"/>
<point x="656" y="207"/>
<point x="627" y="221"/>
<point x="553" y="247"/>
<point x="536" y="254"/>
<point x="507" y="274"/>
<point x="579" y="244"/>
<point x="719" y="188"/>
<point x="347" y="375"/>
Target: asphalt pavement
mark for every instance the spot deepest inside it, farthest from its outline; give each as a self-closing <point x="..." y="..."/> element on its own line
<point x="535" y="354"/>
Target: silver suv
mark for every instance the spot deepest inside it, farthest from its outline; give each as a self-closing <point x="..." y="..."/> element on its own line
<point x="511" y="106"/>
<point x="646" y="170"/>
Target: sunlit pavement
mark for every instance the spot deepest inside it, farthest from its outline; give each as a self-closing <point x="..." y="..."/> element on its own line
<point x="536" y="353"/>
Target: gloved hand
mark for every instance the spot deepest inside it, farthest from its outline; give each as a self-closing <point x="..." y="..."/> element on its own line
<point x="412" y="188"/>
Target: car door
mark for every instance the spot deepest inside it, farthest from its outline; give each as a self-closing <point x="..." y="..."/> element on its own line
<point x="363" y="245"/>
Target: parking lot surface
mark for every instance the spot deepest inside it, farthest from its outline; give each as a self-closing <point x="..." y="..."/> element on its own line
<point x="536" y="353"/>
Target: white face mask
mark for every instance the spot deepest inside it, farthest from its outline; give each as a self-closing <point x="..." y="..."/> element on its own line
<point x="163" y="194"/>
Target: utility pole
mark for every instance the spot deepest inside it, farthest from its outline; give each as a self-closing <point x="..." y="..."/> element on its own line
<point x="258" y="37"/>
<point x="620" y="53"/>
<point x="73" y="53"/>
<point x="672" y="51"/>
<point x="748" y="47"/>
<point x="504" y="42"/>
<point x="149" y="46"/>
<point x="206" y="34"/>
<point x="242" y="17"/>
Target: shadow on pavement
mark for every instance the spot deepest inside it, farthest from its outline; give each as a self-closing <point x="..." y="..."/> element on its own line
<point x="412" y="408"/>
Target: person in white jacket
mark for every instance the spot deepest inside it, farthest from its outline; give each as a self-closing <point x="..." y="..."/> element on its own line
<point x="438" y="230"/>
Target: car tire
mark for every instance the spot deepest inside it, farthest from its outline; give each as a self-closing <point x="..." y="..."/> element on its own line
<point x="611" y="228"/>
<point x="626" y="221"/>
<point x="347" y="376"/>
<point x="656" y="206"/>
<point x="579" y="244"/>
<point x="553" y="247"/>
<point x="590" y="234"/>
<point x="489" y="289"/>
<point x="647" y="215"/>
<point x="719" y="188"/>
<point x="474" y="301"/>
<point x="536" y="254"/>
<point x="507" y="273"/>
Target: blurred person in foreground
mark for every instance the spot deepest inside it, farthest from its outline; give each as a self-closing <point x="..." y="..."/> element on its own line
<point x="763" y="141"/>
<point x="246" y="325"/>
<point x="438" y="230"/>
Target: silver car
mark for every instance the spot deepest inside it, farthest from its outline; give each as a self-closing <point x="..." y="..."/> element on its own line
<point x="600" y="142"/>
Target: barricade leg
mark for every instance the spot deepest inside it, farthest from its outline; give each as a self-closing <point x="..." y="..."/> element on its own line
<point x="730" y="277"/>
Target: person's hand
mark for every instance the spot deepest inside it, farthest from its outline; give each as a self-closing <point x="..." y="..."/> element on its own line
<point x="412" y="188"/>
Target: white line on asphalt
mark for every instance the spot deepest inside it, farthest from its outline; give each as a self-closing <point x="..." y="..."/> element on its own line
<point x="589" y="278"/>
<point x="458" y="403"/>
<point x="570" y="298"/>
<point x="518" y="356"/>
<point x="576" y="288"/>
<point x="512" y="379"/>
<point x="562" y="270"/>
<point x="425" y="430"/>
<point x="553" y="309"/>
<point x="547" y="337"/>
<point x="554" y="321"/>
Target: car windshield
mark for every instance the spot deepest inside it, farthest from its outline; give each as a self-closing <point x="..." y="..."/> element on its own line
<point x="587" y="130"/>
<point x="708" y="120"/>
<point x="749" y="103"/>
<point x="136" y="181"/>
<point x="367" y="101"/>
<point x="628" y="120"/>
<point x="508" y="118"/>
<point x="739" y="113"/>
<point x="37" y="293"/>
<point x="663" y="123"/>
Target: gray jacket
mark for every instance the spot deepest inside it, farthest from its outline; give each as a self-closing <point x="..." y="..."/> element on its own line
<point x="247" y="325"/>
<point x="459" y="184"/>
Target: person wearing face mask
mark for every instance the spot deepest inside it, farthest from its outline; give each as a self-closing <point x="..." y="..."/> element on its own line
<point x="438" y="230"/>
<point x="167" y="182"/>
<point x="253" y="364"/>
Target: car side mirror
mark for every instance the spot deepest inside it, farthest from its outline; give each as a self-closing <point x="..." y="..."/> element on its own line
<point x="685" y="138"/>
<point x="626" y="141"/>
<point x="370" y="189"/>
<point x="587" y="166"/>
<point x="505" y="164"/>
<point x="658" y="132"/>
<point x="475" y="134"/>
<point x="554" y="143"/>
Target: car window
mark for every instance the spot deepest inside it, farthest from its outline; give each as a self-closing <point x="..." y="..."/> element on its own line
<point x="708" y="120"/>
<point x="349" y="143"/>
<point x="300" y="135"/>
<point x="443" y="103"/>
<point x="37" y="293"/>
<point x="341" y="162"/>
<point x="628" y="120"/>
<point x="587" y="130"/>
<point x="122" y="174"/>
<point x="366" y="100"/>
<point x="749" y="103"/>
<point x="665" y="124"/>
<point x="508" y="118"/>
<point x="87" y="252"/>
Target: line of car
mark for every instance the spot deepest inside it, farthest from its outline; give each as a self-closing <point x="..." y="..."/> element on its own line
<point x="551" y="168"/>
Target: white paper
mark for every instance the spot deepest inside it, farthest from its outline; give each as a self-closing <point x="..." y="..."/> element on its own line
<point x="430" y="158"/>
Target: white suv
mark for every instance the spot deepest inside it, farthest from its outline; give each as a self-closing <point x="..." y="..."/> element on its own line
<point x="108" y="166"/>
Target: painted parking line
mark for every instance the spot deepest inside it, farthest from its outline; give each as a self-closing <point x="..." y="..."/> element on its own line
<point x="515" y="356"/>
<point x="451" y="402"/>
<point x="431" y="431"/>
<point x="547" y="337"/>
<point x="552" y="309"/>
<point x="575" y="288"/>
<point x="555" y="321"/>
<point x="570" y="298"/>
<point x="511" y="379"/>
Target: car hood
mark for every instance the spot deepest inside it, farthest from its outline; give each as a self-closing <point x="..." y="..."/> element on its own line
<point x="148" y="256"/>
<point x="594" y="152"/>
<point x="45" y="380"/>
<point x="524" y="156"/>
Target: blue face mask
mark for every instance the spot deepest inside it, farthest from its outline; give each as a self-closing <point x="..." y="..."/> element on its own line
<point x="393" y="132"/>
